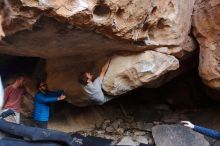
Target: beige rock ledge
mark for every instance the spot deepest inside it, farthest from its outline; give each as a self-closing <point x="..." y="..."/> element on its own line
<point x="126" y="73"/>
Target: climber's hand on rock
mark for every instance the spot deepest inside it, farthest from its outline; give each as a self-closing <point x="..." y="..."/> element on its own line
<point x="188" y="124"/>
<point x="62" y="97"/>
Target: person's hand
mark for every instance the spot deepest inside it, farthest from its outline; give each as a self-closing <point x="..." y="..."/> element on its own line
<point x="62" y="97"/>
<point x="188" y="124"/>
<point x="104" y="70"/>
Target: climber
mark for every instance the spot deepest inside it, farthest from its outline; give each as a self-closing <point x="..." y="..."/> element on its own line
<point x="209" y="132"/>
<point x="42" y="107"/>
<point x="93" y="88"/>
<point x="5" y="12"/>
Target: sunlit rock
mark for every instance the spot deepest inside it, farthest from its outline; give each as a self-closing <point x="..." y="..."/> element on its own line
<point x="126" y="73"/>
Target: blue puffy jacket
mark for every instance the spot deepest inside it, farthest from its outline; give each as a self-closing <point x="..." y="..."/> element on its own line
<point x="41" y="104"/>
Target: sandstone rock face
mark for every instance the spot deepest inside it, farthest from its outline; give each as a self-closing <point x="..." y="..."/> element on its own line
<point x="79" y="35"/>
<point x="136" y="70"/>
<point x="160" y="22"/>
<point x="207" y="29"/>
<point x="174" y="135"/>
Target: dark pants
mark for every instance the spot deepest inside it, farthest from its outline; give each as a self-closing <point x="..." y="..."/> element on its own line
<point x="35" y="134"/>
<point x="42" y="124"/>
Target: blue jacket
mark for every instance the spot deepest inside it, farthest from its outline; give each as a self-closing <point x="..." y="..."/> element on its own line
<point x="41" y="104"/>
<point x="209" y="132"/>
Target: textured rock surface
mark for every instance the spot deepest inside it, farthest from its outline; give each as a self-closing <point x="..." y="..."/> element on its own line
<point x="74" y="36"/>
<point x="161" y="22"/>
<point x="207" y="29"/>
<point x="129" y="73"/>
<point x="136" y="70"/>
<point x="174" y="135"/>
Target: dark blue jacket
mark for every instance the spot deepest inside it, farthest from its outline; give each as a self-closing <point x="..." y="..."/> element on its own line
<point x="41" y="104"/>
<point x="209" y="132"/>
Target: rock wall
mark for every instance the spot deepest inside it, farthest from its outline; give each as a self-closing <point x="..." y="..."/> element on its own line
<point x="206" y="30"/>
<point x="74" y="36"/>
<point x="160" y="22"/>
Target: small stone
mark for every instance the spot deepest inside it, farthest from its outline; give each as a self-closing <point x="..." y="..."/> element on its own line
<point x="120" y="130"/>
<point x="98" y="125"/>
<point x="127" y="133"/>
<point x="107" y="121"/>
<point x="125" y="125"/>
<point x="140" y="125"/>
<point x="110" y="129"/>
<point x="138" y="133"/>
<point x="142" y="139"/>
<point x="148" y="126"/>
<point x="157" y="123"/>
<point x="104" y="125"/>
<point x="150" y="141"/>
<point x="115" y="124"/>
<point x="126" y="141"/>
<point x="100" y="132"/>
<point x="120" y="121"/>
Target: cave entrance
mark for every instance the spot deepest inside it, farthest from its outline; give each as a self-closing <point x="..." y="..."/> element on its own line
<point x="16" y="64"/>
<point x="132" y="115"/>
<point x="11" y="65"/>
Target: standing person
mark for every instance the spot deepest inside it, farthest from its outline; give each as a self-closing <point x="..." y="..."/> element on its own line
<point x="12" y="97"/>
<point x="5" y="12"/>
<point x="206" y="131"/>
<point x="42" y="101"/>
<point x="92" y="87"/>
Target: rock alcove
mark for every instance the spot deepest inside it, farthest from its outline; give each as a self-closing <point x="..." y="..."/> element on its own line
<point x="156" y="49"/>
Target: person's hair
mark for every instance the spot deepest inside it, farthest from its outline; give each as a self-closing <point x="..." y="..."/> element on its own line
<point x="39" y="83"/>
<point x="5" y="11"/>
<point x="19" y="76"/>
<point x="83" y="78"/>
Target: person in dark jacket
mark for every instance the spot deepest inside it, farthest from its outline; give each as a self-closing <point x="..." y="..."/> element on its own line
<point x="206" y="131"/>
<point x="42" y="101"/>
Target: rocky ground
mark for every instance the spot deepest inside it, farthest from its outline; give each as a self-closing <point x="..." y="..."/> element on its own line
<point x="131" y="130"/>
<point x="123" y="131"/>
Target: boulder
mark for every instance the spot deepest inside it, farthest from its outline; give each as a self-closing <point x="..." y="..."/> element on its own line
<point x="206" y="23"/>
<point x="177" y="135"/>
<point x="136" y="70"/>
<point x="79" y="35"/>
